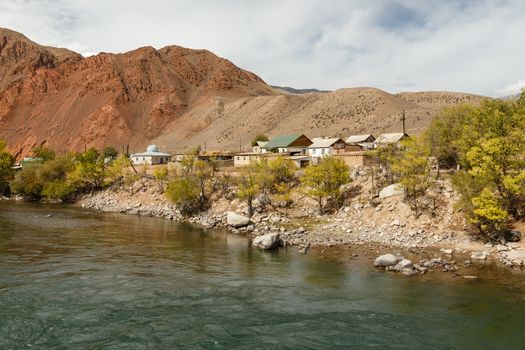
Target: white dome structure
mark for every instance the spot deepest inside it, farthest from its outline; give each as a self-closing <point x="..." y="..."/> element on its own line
<point x="152" y="156"/>
<point x="152" y="148"/>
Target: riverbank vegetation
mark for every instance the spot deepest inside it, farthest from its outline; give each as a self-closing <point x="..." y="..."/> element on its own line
<point x="480" y="149"/>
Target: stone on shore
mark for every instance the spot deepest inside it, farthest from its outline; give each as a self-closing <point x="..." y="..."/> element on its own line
<point x="403" y="264"/>
<point x="478" y="256"/>
<point x="386" y="260"/>
<point x="392" y="190"/>
<point x="236" y="220"/>
<point x="267" y="241"/>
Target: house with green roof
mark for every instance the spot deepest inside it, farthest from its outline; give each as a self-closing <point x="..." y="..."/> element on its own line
<point x="294" y="144"/>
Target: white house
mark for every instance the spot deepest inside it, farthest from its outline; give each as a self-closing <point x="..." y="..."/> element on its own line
<point x="152" y="156"/>
<point x="258" y="148"/>
<point x="385" y="139"/>
<point x="323" y="147"/>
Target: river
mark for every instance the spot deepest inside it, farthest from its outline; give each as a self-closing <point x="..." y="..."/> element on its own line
<point x="75" y="279"/>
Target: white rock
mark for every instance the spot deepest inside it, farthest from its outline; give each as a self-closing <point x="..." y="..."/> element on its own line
<point x="478" y="256"/>
<point x="237" y="220"/>
<point x="404" y="263"/>
<point x="446" y="251"/>
<point x="267" y="241"/>
<point x="386" y="260"/>
<point x="501" y="248"/>
<point x="392" y="190"/>
<point x="395" y="222"/>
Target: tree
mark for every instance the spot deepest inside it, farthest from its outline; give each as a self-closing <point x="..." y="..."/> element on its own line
<point x="44" y="153"/>
<point x="325" y="180"/>
<point x="45" y="180"/>
<point x="184" y="193"/>
<point x="412" y="168"/>
<point x="160" y="174"/>
<point x="6" y="168"/>
<point x="192" y="187"/>
<point x="488" y="143"/>
<point x="381" y="160"/>
<point x="488" y="214"/>
<point x="89" y="172"/>
<point x="203" y="173"/>
<point x="259" y="137"/>
<point x="248" y="190"/>
<point x="110" y="152"/>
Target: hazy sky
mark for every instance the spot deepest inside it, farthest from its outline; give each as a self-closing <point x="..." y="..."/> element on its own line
<point x="406" y="45"/>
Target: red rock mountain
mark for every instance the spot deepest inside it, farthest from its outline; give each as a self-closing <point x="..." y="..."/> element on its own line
<point x="176" y="97"/>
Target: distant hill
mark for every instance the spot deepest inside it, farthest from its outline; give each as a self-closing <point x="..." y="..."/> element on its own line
<point x="296" y="91"/>
<point x="178" y="98"/>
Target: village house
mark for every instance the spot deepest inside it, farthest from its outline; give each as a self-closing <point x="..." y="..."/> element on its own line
<point x="360" y="142"/>
<point x="296" y="144"/>
<point x="152" y="156"/>
<point x="323" y="147"/>
<point x="244" y="159"/>
<point x="385" y="139"/>
<point x="259" y="147"/>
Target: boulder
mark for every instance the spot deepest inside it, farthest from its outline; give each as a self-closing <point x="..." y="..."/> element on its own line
<point x="392" y="190"/>
<point x="236" y="220"/>
<point x="478" y="256"/>
<point x="516" y="257"/>
<point x="267" y="241"/>
<point x="512" y="236"/>
<point x="447" y="251"/>
<point x="403" y="264"/>
<point x="386" y="260"/>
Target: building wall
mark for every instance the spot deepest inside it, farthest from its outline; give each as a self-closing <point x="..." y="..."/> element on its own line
<point x="150" y="160"/>
<point x="353" y="159"/>
<point x="241" y="160"/>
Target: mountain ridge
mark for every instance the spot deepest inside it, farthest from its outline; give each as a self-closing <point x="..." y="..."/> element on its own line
<point x="176" y="97"/>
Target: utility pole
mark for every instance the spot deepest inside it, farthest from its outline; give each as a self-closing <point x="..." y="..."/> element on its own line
<point x="403" y="118"/>
<point x="240" y="143"/>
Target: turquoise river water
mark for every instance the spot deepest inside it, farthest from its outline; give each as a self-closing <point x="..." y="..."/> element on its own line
<point x="75" y="279"/>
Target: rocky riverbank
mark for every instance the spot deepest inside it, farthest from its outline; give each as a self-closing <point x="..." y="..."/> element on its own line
<point x="387" y="223"/>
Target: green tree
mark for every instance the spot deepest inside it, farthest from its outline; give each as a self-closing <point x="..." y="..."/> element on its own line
<point x="89" y="172"/>
<point x="412" y="168"/>
<point x="110" y="152"/>
<point x="488" y="214"/>
<point x="488" y="143"/>
<point x="259" y="137"/>
<point x="160" y="174"/>
<point x="247" y="191"/>
<point x="325" y="180"/>
<point x="44" y="153"/>
<point x="184" y="193"/>
<point x="6" y="168"/>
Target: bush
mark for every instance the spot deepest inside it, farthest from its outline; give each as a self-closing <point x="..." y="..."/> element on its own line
<point x="185" y="194"/>
<point x="6" y="171"/>
<point x="325" y="180"/>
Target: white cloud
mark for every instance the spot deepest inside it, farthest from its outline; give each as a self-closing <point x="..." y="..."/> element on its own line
<point x="470" y="46"/>
<point x="511" y="89"/>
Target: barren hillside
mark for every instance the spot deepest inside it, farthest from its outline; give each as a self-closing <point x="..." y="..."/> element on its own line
<point x="230" y="123"/>
<point x="178" y="98"/>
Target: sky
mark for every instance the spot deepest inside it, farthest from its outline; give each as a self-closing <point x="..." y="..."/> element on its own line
<point x="471" y="46"/>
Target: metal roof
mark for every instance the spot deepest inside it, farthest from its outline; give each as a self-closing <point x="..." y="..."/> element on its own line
<point x="321" y="142"/>
<point x="358" y="138"/>
<point x="261" y="143"/>
<point x="151" y="151"/>
<point x="281" y="141"/>
<point x="390" y="138"/>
